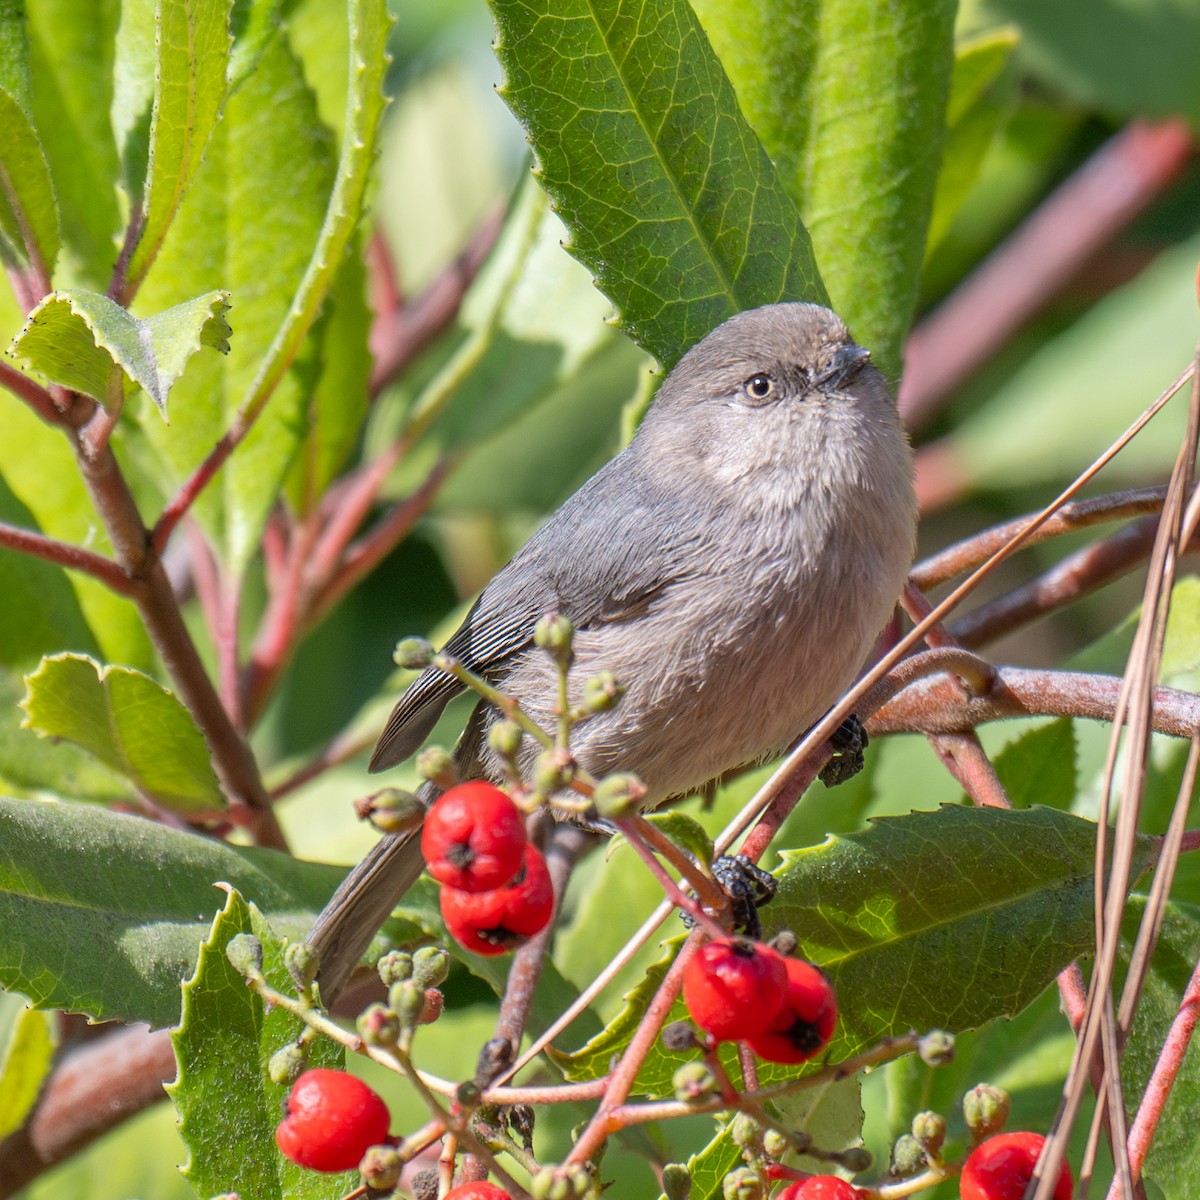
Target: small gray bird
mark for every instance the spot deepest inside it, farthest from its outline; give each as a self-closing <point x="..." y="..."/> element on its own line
<point x="732" y="567"/>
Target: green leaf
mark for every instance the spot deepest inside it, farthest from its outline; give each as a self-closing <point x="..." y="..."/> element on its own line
<point x="707" y="1170"/>
<point x="72" y="56"/>
<point x="849" y="98"/>
<point x="91" y="344"/>
<point x="260" y="220"/>
<point x="129" y="722"/>
<point x="686" y="832"/>
<point x="670" y="199"/>
<point x="982" y="97"/>
<point x="1133" y="59"/>
<point x="28" y="208"/>
<point x="192" y="48"/>
<point x="26" y="1063"/>
<point x="103" y="913"/>
<point x="228" y="1107"/>
<point x="15" y="76"/>
<point x="1004" y="895"/>
<point x="1039" y="767"/>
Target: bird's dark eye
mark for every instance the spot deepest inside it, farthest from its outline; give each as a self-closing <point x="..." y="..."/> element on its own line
<point x="759" y="387"/>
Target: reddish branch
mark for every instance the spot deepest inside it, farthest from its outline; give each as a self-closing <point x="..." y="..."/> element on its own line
<point x="1116" y="184"/>
<point x="63" y="554"/>
<point x="36" y="396"/>
<point x="95" y="1087"/>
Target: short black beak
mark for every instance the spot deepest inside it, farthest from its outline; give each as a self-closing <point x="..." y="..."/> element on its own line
<point x="847" y="361"/>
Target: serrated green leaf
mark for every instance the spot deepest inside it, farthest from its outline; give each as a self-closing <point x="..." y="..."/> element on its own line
<point x="28" y="208"/>
<point x="670" y="199"/>
<point x="103" y="913"/>
<point x="707" y="1170"/>
<point x="128" y="721"/>
<point x="228" y="1107"/>
<point x="89" y="343"/>
<point x="260" y="219"/>
<point x="191" y="52"/>
<point x="982" y="96"/>
<point x="72" y="56"/>
<point x="1005" y="895"/>
<point x="849" y="98"/>
<point x="686" y="832"/>
<point x="26" y="1063"/>
<point x="14" y="52"/>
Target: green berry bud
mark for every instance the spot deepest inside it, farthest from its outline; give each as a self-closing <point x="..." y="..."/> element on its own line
<point x="601" y="692"/>
<point x="553" y="770"/>
<point x="391" y="810"/>
<point x="619" y="796"/>
<point x="554" y="633"/>
<point x="413" y="654"/>
<point x="505" y="738"/>
<point x="746" y="1132"/>
<point x="381" y="1167"/>
<point x="742" y="1184"/>
<point x="245" y="954"/>
<point x="936" y="1048"/>
<point x="302" y="962"/>
<point x="676" y="1182"/>
<point x="436" y="765"/>
<point x="408" y="1000"/>
<point x="775" y="1144"/>
<point x="430" y="966"/>
<point x="985" y="1110"/>
<point x="907" y="1156"/>
<point x="286" y="1065"/>
<point x="694" y="1083"/>
<point x="395" y="967"/>
<point x="378" y="1025"/>
<point x="929" y="1128"/>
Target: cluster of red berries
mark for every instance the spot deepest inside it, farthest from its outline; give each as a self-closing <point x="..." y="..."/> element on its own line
<point x="744" y="991"/>
<point x="496" y="891"/>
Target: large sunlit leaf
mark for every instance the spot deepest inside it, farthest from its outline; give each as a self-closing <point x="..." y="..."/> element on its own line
<point x="103" y="914"/>
<point x="670" y="199"/>
<point x="849" y="98"/>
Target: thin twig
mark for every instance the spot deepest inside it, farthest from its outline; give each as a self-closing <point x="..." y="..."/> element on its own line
<point x="36" y="396"/>
<point x="63" y="554"/>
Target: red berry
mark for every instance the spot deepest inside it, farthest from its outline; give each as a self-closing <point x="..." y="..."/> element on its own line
<point x="332" y="1118"/>
<point x="477" y="1191"/>
<point x="473" y="837"/>
<point x="500" y="920"/>
<point x="1001" y="1168"/>
<point x="734" y="988"/>
<point x="820" y="1187"/>
<point x="805" y="1023"/>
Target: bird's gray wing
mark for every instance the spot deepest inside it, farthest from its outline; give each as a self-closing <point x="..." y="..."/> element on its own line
<point x="602" y="557"/>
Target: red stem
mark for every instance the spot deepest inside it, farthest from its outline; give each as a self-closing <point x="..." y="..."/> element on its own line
<point x="32" y="393"/>
<point x="63" y="554"/>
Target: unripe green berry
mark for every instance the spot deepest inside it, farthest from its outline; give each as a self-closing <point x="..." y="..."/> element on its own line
<point x="430" y="966"/>
<point x="742" y="1184"/>
<point x="505" y="738"/>
<point x="936" y="1048"/>
<point x="245" y="954"/>
<point x="407" y="999"/>
<point x="553" y="770"/>
<point x="381" y="1167"/>
<point x="694" y="1083"/>
<point x="287" y="1064"/>
<point x="395" y="967"/>
<point x="391" y="810"/>
<point x="436" y="764"/>
<point x="554" y="632"/>
<point x="856" y="1159"/>
<point x="676" y="1182"/>
<point x="619" y="796"/>
<point x="907" y="1156"/>
<point x="929" y="1128"/>
<point x="378" y="1025"/>
<point x="775" y="1144"/>
<point x="985" y="1110"/>
<point x="745" y="1132"/>
<point x="302" y="962"/>
<point x="412" y="654"/>
<point x="601" y="692"/>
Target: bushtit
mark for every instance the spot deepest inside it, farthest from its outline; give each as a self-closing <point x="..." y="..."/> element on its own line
<point x="732" y="566"/>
